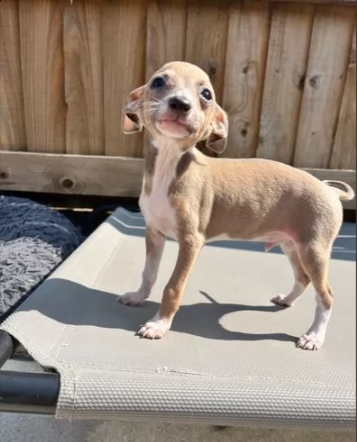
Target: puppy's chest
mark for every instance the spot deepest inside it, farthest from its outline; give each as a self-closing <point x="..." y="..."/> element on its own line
<point x="158" y="212"/>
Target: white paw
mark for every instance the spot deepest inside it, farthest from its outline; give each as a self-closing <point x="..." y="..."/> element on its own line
<point x="133" y="299"/>
<point x="310" y="342"/>
<point x="281" y="300"/>
<point x="155" y="329"/>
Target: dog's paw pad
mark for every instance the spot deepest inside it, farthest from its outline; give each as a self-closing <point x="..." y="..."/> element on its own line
<point x="133" y="299"/>
<point x="281" y="300"/>
<point x="154" y="329"/>
<point x="309" y="342"/>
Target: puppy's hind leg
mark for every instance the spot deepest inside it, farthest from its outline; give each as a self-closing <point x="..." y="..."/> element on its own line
<point x="302" y="279"/>
<point x="155" y="243"/>
<point x="315" y="259"/>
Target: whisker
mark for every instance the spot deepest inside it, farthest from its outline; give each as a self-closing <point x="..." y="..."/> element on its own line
<point x="151" y="108"/>
<point x="148" y="111"/>
<point x="156" y="99"/>
<point x="148" y="103"/>
<point x="154" y="103"/>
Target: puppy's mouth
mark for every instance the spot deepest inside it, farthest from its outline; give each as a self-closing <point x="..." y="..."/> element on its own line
<point x="176" y="127"/>
<point x="175" y="123"/>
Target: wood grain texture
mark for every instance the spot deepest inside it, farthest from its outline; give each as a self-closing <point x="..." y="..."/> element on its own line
<point x="124" y="48"/>
<point x="329" y="54"/>
<point x="97" y="175"/>
<point x="317" y="2"/>
<point x="166" y="33"/>
<point x="244" y="75"/>
<point x="206" y="39"/>
<point x="41" y="40"/>
<point x="12" y="122"/>
<point x="284" y="80"/>
<point x="70" y="174"/>
<point x="166" y="36"/>
<point x="344" y="149"/>
<point x="84" y="77"/>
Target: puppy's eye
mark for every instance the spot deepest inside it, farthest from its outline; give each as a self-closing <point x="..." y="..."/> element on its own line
<point x="158" y="82"/>
<point x="207" y="94"/>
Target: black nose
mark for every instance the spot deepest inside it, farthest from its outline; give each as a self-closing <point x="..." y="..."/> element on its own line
<point x="180" y="104"/>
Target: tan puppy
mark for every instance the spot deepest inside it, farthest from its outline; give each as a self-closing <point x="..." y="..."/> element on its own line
<point x="193" y="199"/>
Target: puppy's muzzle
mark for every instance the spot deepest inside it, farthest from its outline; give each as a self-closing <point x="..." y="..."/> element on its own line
<point x="179" y="104"/>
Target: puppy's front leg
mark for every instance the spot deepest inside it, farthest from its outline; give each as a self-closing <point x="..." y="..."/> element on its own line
<point x="155" y="243"/>
<point x="161" y="322"/>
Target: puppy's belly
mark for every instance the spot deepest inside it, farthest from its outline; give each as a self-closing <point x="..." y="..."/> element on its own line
<point x="271" y="238"/>
<point x="223" y="237"/>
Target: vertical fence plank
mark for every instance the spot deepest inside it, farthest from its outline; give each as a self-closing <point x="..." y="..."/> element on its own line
<point x="12" y="122"/>
<point x="41" y="37"/>
<point x="166" y="33"/>
<point x="83" y="77"/>
<point x="329" y="53"/>
<point x="289" y="44"/>
<point x="206" y="39"/>
<point x="344" y="150"/>
<point x="124" y="49"/>
<point x="244" y="76"/>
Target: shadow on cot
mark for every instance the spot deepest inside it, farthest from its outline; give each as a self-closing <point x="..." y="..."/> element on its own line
<point x="97" y="308"/>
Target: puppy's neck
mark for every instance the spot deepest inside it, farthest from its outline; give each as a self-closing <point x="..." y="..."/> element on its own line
<point x="161" y="160"/>
<point x="169" y="152"/>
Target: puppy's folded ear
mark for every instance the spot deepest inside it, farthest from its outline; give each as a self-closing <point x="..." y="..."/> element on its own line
<point x="217" y="139"/>
<point x="131" y="122"/>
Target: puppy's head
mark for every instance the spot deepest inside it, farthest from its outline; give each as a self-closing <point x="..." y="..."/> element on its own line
<point x="178" y="103"/>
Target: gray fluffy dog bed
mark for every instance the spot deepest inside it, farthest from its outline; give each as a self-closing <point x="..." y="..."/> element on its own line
<point x="33" y="241"/>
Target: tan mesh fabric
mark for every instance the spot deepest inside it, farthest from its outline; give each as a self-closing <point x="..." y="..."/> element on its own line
<point x="230" y="357"/>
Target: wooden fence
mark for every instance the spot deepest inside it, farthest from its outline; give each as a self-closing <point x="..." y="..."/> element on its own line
<point x="285" y="72"/>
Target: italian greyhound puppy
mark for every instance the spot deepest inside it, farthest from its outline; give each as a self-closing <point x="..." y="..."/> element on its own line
<point x="193" y="199"/>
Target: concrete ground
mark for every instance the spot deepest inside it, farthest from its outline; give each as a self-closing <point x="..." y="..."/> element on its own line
<point x="26" y="428"/>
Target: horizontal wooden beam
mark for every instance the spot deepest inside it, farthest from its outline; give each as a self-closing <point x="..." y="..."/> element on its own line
<point x="317" y="2"/>
<point x="97" y="175"/>
<point x="70" y="174"/>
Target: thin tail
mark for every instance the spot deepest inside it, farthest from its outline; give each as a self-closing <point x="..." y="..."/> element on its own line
<point x="343" y="190"/>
